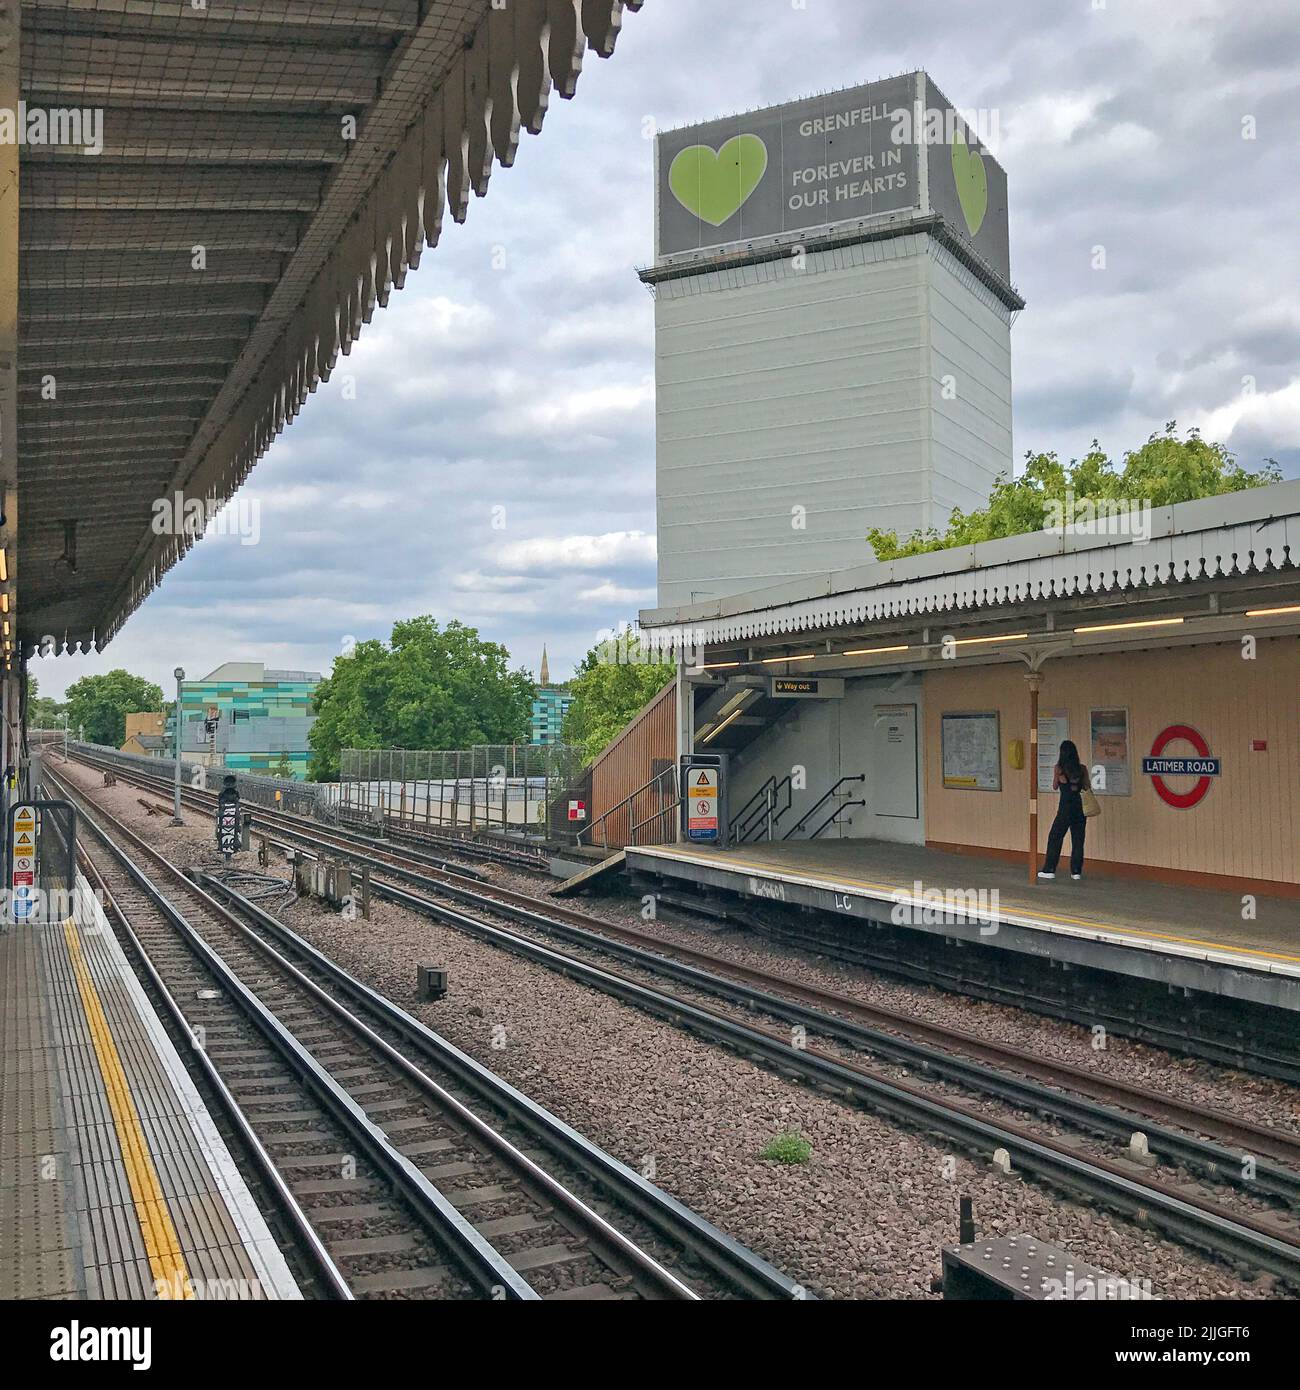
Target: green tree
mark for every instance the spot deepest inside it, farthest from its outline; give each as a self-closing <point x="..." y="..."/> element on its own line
<point x="1165" y="470"/>
<point x="608" y="693"/>
<point x="100" y="704"/>
<point x="427" y="687"/>
<point x="42" y="710"/>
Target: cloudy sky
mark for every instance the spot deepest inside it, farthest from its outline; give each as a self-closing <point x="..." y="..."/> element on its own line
<point x="496" y="463"/>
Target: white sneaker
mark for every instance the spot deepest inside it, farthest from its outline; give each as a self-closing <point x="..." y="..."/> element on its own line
<point x="1076" y="877"/>
<point x="1041" y="874"/>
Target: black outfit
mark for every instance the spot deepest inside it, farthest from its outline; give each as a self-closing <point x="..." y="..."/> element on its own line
<point x="1069" y="816"/>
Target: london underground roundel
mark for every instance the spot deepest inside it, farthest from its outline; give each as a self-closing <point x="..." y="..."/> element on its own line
<point x="1158" y="765"/>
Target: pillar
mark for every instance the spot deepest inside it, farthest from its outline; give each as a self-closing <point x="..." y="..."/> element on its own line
<point x="1035" y="680"/>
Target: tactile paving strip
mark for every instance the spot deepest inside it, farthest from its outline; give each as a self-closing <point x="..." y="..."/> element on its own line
<point x="70" y="1213"/>
<point x="39" y="1232"/>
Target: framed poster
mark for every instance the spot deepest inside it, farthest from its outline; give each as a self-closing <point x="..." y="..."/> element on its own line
<point x="1109" y="763"/>
<point x="972" y="751"/>
<point x="1053" y="729"/>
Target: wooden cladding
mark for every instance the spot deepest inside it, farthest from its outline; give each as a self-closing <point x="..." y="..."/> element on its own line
<point x="644" y="748"/>
<point x="1247" y="711"/>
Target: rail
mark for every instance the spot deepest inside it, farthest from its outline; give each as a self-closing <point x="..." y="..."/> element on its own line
<point x="764" y="802"/>
<point x="740" y="1269"/>
<point x="1244" y="1237"/>
<point x="820" y="802"/>
<point x="274" y="793"/>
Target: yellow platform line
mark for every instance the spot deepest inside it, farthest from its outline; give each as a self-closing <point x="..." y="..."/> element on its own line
<point x="161" y="1242"/>
<point x="891" y="888"/>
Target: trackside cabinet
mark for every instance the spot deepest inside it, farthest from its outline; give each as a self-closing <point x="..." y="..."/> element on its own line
<point x="704" y="799"/>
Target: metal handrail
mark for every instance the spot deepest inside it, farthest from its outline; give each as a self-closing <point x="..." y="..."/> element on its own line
<point x="820" y="802"/>
<point x="626" y="803"/>
<point x="834" y="816"/>
<point x="767" y="809"/>
<point x="739" y="816"/>
<point x="666" y="811"/>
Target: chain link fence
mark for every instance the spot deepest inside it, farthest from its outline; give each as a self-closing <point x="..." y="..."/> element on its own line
<point x="497" y="786"/>
<point x="505" y="787"/>
<point x="275" y="793"/>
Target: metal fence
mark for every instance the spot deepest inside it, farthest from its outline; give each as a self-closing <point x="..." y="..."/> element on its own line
<point x="275" y="793"/>
<point x="490" y="786"/>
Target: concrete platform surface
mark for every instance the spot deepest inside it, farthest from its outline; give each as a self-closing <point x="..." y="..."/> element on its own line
<point x="990" y="900"/>
<point x="114" y="1182"/>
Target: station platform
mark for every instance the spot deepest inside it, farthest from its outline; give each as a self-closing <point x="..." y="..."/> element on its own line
<point x="114" y="1181"/>
<point x="1189" y="938"/>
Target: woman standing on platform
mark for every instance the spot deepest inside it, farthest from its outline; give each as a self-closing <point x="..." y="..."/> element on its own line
<point x="1070" y="778"/>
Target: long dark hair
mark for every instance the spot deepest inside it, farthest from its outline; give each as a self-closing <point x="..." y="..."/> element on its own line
<point x="1069" y="759"/>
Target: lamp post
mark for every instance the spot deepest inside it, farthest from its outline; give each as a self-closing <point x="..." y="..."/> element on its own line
<point x="179" y="673"/>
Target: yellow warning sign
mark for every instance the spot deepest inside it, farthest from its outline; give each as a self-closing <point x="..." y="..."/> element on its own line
<point x="23" y="839"/>
<point x="702" y="809"/>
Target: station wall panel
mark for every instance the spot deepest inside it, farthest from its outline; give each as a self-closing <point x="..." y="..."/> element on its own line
<point x="1246" y="827"/>
<point x="648" y="744"/>
<point x="828" y="740"/>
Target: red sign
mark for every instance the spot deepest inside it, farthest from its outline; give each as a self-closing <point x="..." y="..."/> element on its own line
<point x="1204" y="764"/>
<point x="577" y="810"/>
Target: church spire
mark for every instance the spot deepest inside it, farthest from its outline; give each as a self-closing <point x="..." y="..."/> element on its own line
<point x="546" y="670"/>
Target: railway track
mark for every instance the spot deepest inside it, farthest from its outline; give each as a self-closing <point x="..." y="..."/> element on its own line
<point x="1240" y="1148"/>
<point x="1232" y="1132"/>
<point x="395" y="1180"/>
<point x="1257" y="1243"/>
<point x="410" y="832"/>
<point x="951" y="1053"/>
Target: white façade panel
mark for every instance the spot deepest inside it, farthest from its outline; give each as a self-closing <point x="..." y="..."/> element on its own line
<point x="790" y="419"/>
<point x="970" y="423"/>
<point x="798" y="410"/>
<point x="861" y="414"/>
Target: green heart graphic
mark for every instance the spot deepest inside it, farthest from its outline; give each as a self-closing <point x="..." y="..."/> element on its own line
<point x="714" y="186"/>
<point x="972" y="185"/>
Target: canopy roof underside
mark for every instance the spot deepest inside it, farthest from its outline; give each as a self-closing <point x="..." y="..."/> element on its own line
<point x="269" y="172"/>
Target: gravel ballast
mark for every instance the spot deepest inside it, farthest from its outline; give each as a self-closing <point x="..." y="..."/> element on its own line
<point x="866" y="1217"/>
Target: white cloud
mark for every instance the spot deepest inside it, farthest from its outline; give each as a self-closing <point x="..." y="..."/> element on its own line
<point x="1049" y="120"/>
<point x="525" y="382"/>
<point x="561" y="553"/>
<point x="594" y="408"/>
<point x="615" y="593"/>
<point x="1272" y="413"/>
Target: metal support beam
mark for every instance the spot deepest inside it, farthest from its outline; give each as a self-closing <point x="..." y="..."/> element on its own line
<point x="10" y="17"/>
<point x="1035" y="685"/>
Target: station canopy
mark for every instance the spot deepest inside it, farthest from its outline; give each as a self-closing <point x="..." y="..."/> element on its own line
<point x="269" y="172"/>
